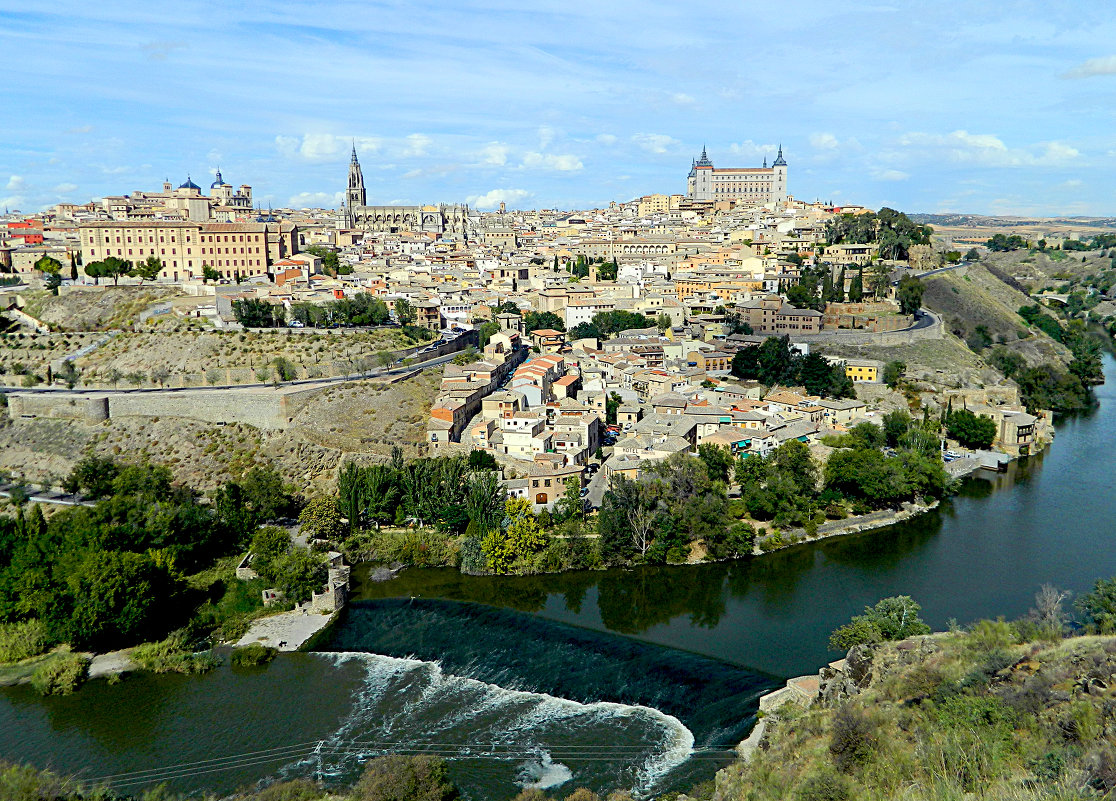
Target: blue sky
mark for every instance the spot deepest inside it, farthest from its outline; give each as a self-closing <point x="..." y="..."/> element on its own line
<point x="1002" y="107"/>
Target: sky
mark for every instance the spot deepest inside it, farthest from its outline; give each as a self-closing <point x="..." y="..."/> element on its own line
<point x="983" y="107"/>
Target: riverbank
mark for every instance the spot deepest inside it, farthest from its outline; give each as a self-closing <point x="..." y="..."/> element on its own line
<point x="286" y="631"/>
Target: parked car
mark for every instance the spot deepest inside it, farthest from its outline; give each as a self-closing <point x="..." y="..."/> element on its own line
<point x="295" y="324"/>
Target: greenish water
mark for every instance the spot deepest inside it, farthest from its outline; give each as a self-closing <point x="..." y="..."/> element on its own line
<point x="632" y="678"/>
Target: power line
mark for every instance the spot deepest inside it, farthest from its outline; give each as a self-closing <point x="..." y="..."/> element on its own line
<point x="359" y="747"/>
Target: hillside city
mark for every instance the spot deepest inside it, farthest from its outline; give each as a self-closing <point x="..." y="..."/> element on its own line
<point x="571" y="344"/>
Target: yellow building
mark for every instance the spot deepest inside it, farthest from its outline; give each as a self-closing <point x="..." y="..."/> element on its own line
<point x="652" y="204"/>
<point x="863" y="370"/>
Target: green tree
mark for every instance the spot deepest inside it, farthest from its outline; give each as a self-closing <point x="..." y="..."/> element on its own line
<point x="331" y="263"/>
<point x="745" y="363"/>
<point x="48" y="265"/>
<point x="895" y="425"/>
<point x="971" y="430"/>
<point x="533" y="321"/>
<point x="612" y="408"/>
<point x="910" y="294"/>
<point x="816" y="374"/>
<point x="269" y="543"/>
<point x="149" y="269"/>
<point x="663" y="322"/>
<point x="321" y="519"/>
<point x="777" y="363"/>
<point x="209" y="274"/>
<point x="117" y="598"/>
<point x="1098" y="606"/>
<point x="404" y="311"/>
<point x="297" y="574"/>
<point x="718" y="461"/>
<point x="93" y="477"/>
<point x="608" y="271"/>
<point x="73" y="268"/>
<point x="110" y="267"/>
<point x="894" y="618"/>
<point x="856" y="287"/>
<point x="69" y="374"/>
<point x="52" y="281"/>
<point x="893" y="373"/>
<point x="405" y="778"/>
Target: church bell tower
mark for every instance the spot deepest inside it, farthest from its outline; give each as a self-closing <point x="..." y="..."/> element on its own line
<point x="354" y="196"/>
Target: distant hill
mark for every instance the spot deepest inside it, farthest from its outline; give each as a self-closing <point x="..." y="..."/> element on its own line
<point x="1008" y="221"/>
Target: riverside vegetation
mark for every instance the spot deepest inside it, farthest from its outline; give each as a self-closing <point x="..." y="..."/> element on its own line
<point x="387" y="778"/>
<point x="151" y="563"/>
<point x="998" y="710"/>
<point x="458" y="514"/>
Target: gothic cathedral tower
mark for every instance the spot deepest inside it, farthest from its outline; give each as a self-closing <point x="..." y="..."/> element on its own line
<point x="354" y="196"/>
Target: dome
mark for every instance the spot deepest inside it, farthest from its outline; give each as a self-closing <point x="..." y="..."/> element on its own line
<point x="218" y="182"/>
<point x="189" y="184"/>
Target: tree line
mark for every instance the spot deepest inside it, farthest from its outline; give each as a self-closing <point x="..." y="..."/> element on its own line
<point x="893" y="230"/>
<point x="115" y="574"/>
<point x="773" y="362"/>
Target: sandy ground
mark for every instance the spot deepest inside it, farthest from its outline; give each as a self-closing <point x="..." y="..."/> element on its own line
<point x="286" y="631"/>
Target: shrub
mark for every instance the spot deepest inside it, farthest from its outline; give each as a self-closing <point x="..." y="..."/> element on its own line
<point x="853" y="740"/>
<point x="22" y="640"/>
<point x="60" y="676"/>
<point x="253" y="655"/>
<point x="824" y="786"/>
<point x="172" y="656"/>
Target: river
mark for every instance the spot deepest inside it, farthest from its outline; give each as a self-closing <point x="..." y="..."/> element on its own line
<point x="636" y="678"/>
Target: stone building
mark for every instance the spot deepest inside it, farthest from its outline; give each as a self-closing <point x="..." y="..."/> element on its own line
<point x="756" y="185"/>
<point x="185" y="248"/>
<point x="441" y="219"/>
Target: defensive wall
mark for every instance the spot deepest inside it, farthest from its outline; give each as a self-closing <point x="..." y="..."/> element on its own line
<point x="262" y="407"/>
<point x="876" y="317"/>
<point x="842" y="336"/>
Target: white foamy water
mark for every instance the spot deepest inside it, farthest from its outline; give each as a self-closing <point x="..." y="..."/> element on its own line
<point x="496" y="738"/>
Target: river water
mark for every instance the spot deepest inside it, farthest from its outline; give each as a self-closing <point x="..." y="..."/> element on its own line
<point x="624" y="678"/>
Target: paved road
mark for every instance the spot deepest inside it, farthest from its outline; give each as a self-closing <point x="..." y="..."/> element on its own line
<point x="938" y="270"/>
<point x="597" y="486"/>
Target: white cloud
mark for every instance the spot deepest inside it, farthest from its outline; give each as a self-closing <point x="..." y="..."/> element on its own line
<point x="412" y="174"/>
<point x="547" y="135"/>
<point x="16" y="183"/>
<point x="492" y="199"/>
<point x="890" y="175"/>
<point x="988" y="150"/>
<point x="416" y="145"/>
<point x="495" y="154"/>
<point x="1106" y="65"/>
<point x="753" y="151"/>
<point x="552" y="161"/>
<point x="65" y="188"/>
<point x="316" y="200"/>
<point x="11" y="202"/>
<point x="682" y="99"/>
<point x="823" y="141"/>
<point x="81" y="129"/>
<point x="656" y="143"/>
<point x="606" y="139"/>
<point x="322" y="147"/>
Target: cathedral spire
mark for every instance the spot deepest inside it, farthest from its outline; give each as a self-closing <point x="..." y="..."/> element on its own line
<point x="354" y="159"/>
<point x="779" y="160"/>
